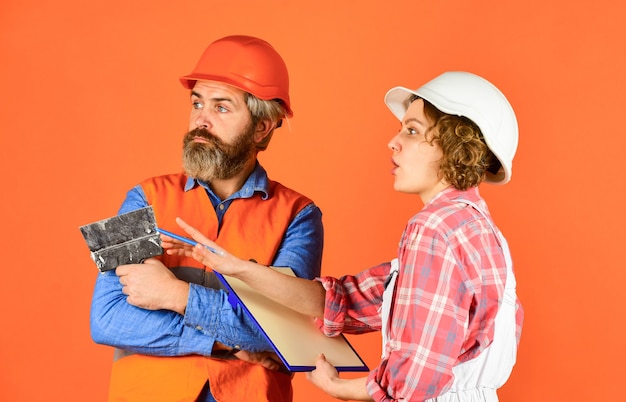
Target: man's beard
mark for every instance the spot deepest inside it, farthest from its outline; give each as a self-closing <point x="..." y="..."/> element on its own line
<point x="214" y="159"/>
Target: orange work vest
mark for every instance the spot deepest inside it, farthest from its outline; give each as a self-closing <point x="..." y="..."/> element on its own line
<point x="251" y="228"/>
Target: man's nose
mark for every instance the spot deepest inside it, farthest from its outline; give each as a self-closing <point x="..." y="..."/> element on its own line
<point x="202" y="119"/>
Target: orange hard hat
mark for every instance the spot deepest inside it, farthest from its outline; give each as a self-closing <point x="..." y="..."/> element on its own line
<point x="247" y="63"/>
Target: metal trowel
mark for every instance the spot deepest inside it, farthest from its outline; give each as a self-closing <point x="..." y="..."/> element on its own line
<point x="127" y="238"/>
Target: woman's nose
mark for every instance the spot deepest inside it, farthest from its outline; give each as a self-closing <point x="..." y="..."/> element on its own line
<point x="393" y="144"/>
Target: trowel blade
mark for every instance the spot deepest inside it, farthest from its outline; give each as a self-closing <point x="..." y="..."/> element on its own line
<point x="127" y="238"/>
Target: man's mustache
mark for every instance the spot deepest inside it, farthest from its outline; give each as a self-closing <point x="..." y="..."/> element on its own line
<point x="203" y="133"/>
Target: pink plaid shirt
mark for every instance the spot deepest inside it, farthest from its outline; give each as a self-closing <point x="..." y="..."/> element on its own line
<point x="450" y="282"/>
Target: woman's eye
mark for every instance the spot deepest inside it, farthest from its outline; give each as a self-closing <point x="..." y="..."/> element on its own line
<point x="411" y="131"/>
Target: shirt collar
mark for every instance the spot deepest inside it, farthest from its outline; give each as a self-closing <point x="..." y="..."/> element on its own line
<point x="451" y="194"/>
<point x="256" y="182"/>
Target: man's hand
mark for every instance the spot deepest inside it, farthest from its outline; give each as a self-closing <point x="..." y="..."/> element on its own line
<point x="269" y="360"/>
<point x="153" y="286"/>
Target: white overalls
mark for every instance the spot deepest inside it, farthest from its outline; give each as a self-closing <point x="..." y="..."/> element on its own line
<point x="479" y="378"/>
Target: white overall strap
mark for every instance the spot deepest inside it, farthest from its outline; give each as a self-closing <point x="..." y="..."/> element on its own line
<point x="479" y="378"/>
<point x="385" y="310"/>
<point x="510" y="282"/>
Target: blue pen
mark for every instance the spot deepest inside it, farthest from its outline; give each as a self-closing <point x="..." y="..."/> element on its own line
<point x="188" y="241"/>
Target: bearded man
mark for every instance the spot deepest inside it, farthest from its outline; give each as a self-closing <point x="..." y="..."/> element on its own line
<point x="177" y="337"/>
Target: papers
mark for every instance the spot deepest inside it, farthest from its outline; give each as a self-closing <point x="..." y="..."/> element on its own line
<point x="295" y="337"/>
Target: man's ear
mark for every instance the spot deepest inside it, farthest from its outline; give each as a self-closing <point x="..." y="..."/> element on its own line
<point x="263" y="129"/>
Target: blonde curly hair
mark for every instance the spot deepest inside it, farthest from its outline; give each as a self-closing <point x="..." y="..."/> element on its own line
<point x="466" y="157"/>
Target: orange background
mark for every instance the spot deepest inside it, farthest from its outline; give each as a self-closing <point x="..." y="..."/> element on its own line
<point x="91" y="104"/>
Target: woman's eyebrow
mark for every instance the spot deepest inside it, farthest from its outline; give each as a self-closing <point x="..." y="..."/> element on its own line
<point x="414" y="120"/>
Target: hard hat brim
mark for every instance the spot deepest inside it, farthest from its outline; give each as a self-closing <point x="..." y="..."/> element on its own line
<point x="188" y="81"/>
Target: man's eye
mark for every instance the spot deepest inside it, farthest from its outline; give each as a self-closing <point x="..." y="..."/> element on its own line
<point x="221" y="109"/>
<point x="197" y="105"/>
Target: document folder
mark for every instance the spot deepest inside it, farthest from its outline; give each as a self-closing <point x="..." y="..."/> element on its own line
<point x="295" y="337"/>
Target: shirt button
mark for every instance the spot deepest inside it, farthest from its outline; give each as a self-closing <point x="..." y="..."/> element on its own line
<point x="221" y="207"/>
<point x="199" y="328"/>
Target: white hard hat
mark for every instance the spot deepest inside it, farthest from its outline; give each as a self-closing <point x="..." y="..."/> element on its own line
<point x="466" y="94"/>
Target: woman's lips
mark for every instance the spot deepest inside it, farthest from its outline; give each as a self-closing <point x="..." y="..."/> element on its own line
<point x="395" y="167"/>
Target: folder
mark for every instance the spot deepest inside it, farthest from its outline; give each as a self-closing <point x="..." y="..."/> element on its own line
<point x="295" y="337"/>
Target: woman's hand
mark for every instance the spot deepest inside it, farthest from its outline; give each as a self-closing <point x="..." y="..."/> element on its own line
<point x="326" y="378"/>
<point x="324" y="375"/>
<point x="206" y="251"/>
<point x="175" y="247"/>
